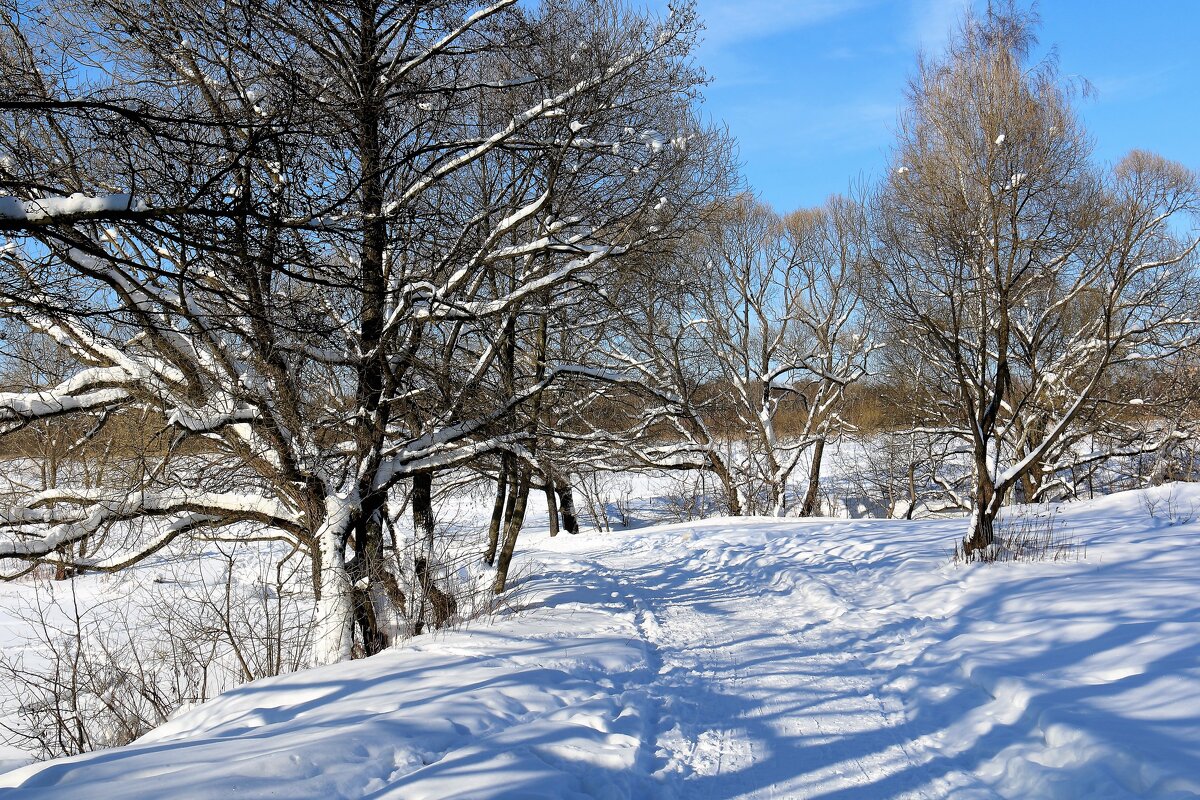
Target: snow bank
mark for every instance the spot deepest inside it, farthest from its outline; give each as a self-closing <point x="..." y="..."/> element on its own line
<point x="741" y="658"/>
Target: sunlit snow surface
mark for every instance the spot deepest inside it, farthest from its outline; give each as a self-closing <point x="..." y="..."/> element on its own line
<point x="739" y="658"/>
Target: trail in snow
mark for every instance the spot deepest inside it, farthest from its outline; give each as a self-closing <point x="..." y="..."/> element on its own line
<point x="738" y="658"/>
<point x="767" y="691"/>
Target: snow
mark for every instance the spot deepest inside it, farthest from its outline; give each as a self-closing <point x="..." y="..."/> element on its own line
<point x="740" y="658"/>
<point x="14" y="208"/>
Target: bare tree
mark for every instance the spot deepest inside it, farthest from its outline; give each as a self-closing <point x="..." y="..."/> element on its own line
<point x="738" y="346"/>
<point x="784" y="327"/>
<point x="265" y="225"/>
<point x="1019" y="275"/>
<point x="835" y="334"/>
<point x="663" y="410"/>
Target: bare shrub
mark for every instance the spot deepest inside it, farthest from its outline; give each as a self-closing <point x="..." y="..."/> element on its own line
<point x="102" y="668"/>
<point x="1165" y="505"/>
<point x="904" y="473"/>
<point x="83" y="680"/>
<point x="256" y="622"/>
<point x="691" y="496"/>
<point x="607" y="499"/>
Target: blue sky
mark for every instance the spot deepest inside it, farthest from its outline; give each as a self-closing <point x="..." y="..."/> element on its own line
<point x="812" y="88"/>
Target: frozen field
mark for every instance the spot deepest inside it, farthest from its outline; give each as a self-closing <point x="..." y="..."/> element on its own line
<point x="740" y="658"/>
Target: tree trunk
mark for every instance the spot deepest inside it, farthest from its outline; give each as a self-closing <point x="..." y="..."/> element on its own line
<point x="983" y="517"/>
<point x="551" y="505"/>
<point x="511" y="530"/>
<point x="436" y="604"/>
<point x="778" y="499"/>
<point x="809" y="508"/>
<point x="982" y="533"/>
<point x="441" y="606"/>
<point x="422" y="508"/>
<point x="334" y="639"/>
<point x="498" y="507"/>
<point x="385" y="593"/>
<point x="373" y="619"/>
<point x="566" y="505"/>
<point x="732" y="498"/>
<point x="912" y="491"/>
<point x="372" y="418"/>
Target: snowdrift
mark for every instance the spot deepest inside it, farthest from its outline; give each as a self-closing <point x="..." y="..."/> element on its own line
<point x="741" y="658"/>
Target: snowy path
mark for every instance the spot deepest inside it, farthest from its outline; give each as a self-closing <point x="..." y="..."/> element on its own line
<point x="834" y="659"/>
<point x="766" y="703"/>
<point x="763" y="671"/>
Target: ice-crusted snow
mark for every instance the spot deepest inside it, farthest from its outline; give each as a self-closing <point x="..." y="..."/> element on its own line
<point x="740" y="658"/>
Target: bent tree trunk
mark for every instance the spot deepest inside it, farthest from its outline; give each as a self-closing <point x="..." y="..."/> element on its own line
<point x="511" y="529"/>
<point x="516" y="512"/>
<point x="498" y="511"/>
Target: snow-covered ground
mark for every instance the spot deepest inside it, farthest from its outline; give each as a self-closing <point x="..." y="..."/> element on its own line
<point x="740" y="658"/>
